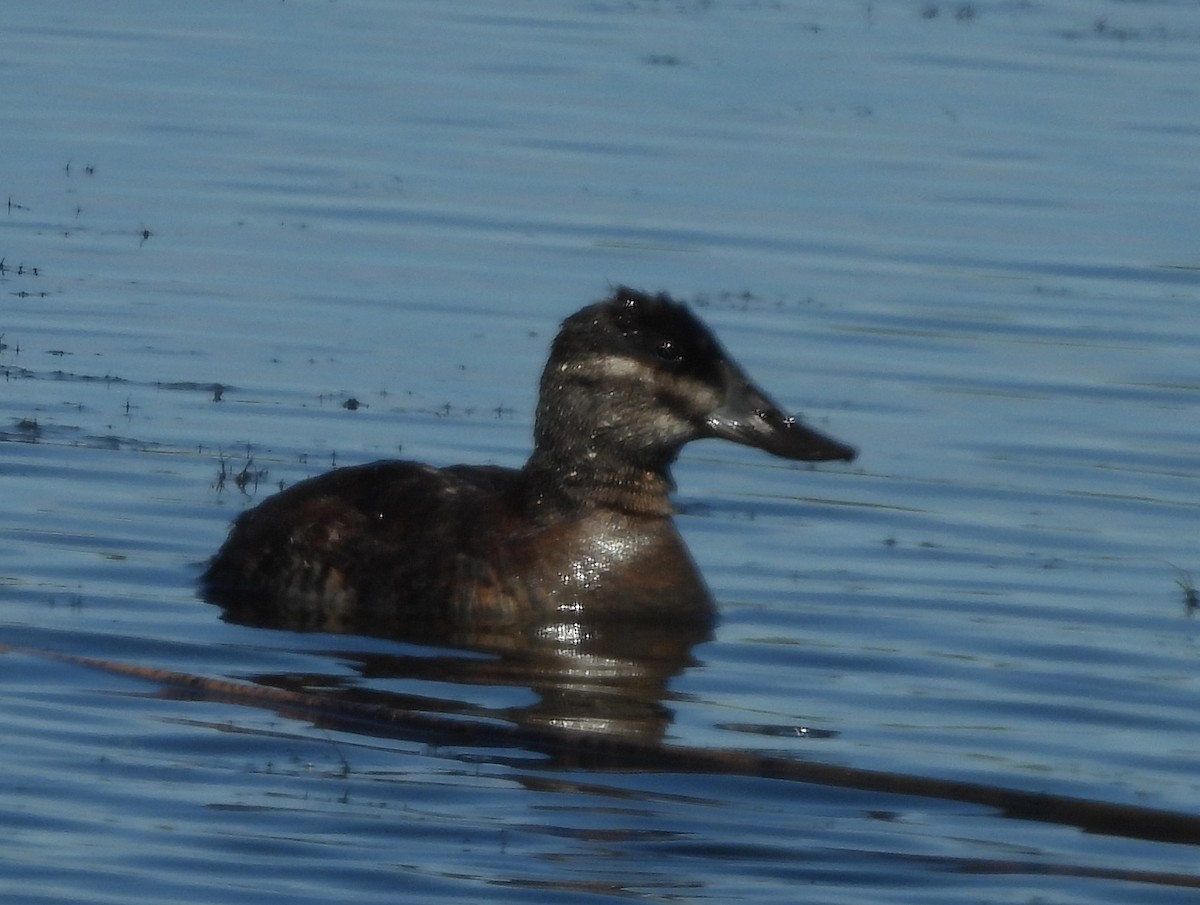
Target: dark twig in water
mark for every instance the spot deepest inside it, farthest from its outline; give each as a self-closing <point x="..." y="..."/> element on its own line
<point x="607" y="751"/>
<point x="1191" y="599"/>
<point x="249" y="475"/>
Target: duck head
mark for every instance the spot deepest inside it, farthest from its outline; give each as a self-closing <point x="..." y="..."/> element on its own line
<point x="632" y="379"/>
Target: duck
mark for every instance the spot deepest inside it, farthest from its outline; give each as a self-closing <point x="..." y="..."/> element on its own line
<point x="584" y="531"/>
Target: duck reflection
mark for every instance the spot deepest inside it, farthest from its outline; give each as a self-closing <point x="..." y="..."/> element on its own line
<point x="570" y="571"/>
<point x="582" y="677"/>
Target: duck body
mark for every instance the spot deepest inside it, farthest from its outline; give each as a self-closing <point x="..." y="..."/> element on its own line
<point x="583" y="531"/>
<point x="402" y="548"/>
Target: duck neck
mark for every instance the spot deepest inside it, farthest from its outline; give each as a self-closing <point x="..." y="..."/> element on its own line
<point x="589" y="483"/>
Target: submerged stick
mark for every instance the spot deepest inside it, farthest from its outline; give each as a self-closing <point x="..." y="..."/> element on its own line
<point x="598" y="750"/>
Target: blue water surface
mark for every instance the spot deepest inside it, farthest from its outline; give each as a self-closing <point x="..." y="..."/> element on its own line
<point x="960" y="236"/>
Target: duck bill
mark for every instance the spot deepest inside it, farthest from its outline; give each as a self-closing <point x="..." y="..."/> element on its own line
<point x="748" y="415"/>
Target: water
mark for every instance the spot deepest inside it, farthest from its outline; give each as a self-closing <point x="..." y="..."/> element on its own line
<point x="961" y="237"/>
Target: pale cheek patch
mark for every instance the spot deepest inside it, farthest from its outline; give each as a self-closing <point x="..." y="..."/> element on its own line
<point x="663" y="408"/>
<point x="608" y="367"/>
<point x="670" y="428"/>
<point x="673" y="391"/>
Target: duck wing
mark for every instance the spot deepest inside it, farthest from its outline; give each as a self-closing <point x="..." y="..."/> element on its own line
<point x="389" y="542"/>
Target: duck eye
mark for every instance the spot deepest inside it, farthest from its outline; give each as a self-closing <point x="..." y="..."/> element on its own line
<point x="668" y="351"/>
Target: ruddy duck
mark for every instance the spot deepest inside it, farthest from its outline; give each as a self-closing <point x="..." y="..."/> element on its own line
<point x="582" y="532"/>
